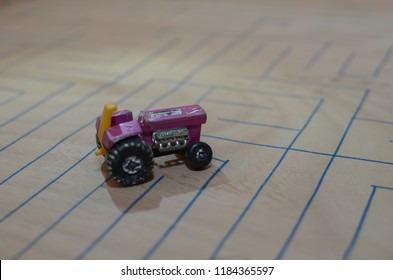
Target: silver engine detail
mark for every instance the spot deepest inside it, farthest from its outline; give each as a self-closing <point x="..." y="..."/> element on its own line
<point x="171" y="140"/>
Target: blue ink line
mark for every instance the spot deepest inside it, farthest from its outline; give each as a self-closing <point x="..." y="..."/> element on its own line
<point x="228" y="47"/>
<point x="202" y="43"/>
<point x="175" y="89"/>
<point x="355" y="237"/>
<point x="316" y="84"/>
<point x="317" y="55"/>
<point x="49" y="47"/>
<point x="293" y="82"/>
<point x="384" y="188"/>
<point x="103" y="87"/>
<point x="365" y="159"/>
<point x="238" y="104"/>
<point x="206" y="94"/>
<point x="38" y="80"/>
<point x="247" y="58"/>
<point x="254" y="53"/>
<point x="296" y="150"/>
<point x="115" y="222"/>
<point x="220" y="160"/>
<point x="73" y="166"/>
<point x="302" y="215"/>
<point x="137" y="90"/>
<point x="276" y="94"/>
<point x="55" y="223"/>
<point x="253" y="199"/>
<point x="258" y="124"/>
<point x="385" y="60"/>
<point x="242" y="142"/>
<point x="233" y="43"/>
<point x="346" y="64"/>
<point x="16" y="209"/>
<point x="46" y="152"/>
<point x="17" y="93"/>
<point x="90" y="60"/>
<point x="35" y="105"/>
<point x="371" y="120"/>
<point x="76" y="71"/>
<point x="181" y="83"/>
<point x="281" y="56"/>
<point x="183" y="213"/>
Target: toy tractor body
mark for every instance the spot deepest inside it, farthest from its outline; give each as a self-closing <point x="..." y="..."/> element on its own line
<point x="129" y="145"/>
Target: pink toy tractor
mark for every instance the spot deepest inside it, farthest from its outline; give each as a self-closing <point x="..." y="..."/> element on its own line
<point x="129" y="145"/>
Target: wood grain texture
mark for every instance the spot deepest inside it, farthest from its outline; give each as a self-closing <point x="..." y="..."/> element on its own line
<point x="300" y="114"/>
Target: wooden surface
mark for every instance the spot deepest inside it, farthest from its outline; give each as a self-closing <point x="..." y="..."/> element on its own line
<point x="300" y="118"/>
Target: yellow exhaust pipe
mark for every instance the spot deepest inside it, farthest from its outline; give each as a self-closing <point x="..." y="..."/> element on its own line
<point x="105" y="123"/>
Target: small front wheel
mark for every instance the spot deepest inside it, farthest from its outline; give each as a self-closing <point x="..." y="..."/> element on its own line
<point x="130" y="161"/>
<point x="199" y="155"/>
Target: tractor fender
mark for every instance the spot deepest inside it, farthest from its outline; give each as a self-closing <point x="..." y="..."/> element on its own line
<point x="120" y="132"/>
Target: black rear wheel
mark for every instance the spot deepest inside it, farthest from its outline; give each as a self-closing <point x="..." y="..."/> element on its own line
<point x="130" y="161"/>
<point x="199" y="155"/>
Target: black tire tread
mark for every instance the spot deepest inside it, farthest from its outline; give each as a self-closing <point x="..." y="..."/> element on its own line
<point x="125" y="148"/>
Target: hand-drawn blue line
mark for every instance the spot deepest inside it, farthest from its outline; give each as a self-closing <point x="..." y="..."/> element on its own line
<point x="115" y="222"/>
<point x="165" y="95"/>
<point x="317" y="56"/>
<point x="347" y="62"/>
<point x="280" y="58"/>
<point x="220" y="160"/>
<point x="206" y="94"/>
<point x="316" y="84"/>
<point x="183" y="213"/>
<point x="254" y="53"/>
<point x="371" y="120"/>
<point x="55" y="223"/>
<point x="35" y="105"/>
<point x="44" y="188"/>
<point x="177" y="86"/>
<point x="355" y="237"/>
<point x="188" y="54"/>
<point x="77" y="71"/>
<point x="238" y="104"/>
<point x="294" y="82"/>
<point x="305" y="210"/>
<point x="228" y="47"/>
<point x="253" y="199"/>
<point x="243" y="142"/>
<point x="49" y="47"/>
<point x="103" y="87"/>
<point x="247" y="57"/>
<point x="359" y="228"/>
<point x="251" y="91"/>
<point x="39" y="80"/>
<point x="16" y="94"/>
<point x="73" y="165"/>
<point x="137" y="90"/>
<point x="90" y="60"/>
<point x="365" y="159"/>
<point x="385" y="60"/>
<point x="233" y="43"/>
<point x="383" y="188"/>
<point x="258" y="124"/>
<point x="297" y="150"/>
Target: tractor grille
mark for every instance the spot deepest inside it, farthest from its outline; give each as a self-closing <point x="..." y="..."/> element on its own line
<point x="171" y="140"/>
